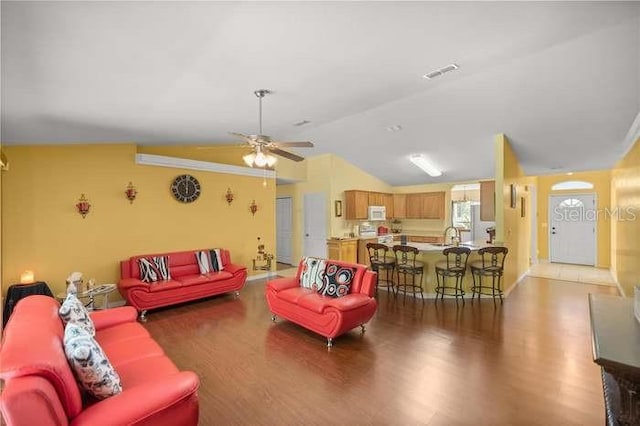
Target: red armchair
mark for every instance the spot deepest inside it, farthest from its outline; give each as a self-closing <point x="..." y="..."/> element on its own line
<point x="40" y="388"/>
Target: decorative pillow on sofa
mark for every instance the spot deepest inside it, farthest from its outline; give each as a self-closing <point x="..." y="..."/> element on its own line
<point x="209" y="261"/>
<point x="73" y="311"/>
<point x="154" y="268"/>
<point x="312" y="272"/>
<point x="337" y="280"/>
<point x="92" y="369"/>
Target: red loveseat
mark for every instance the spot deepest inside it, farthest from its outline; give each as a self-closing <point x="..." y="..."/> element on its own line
<point x="40" y="388"/>
<point x="186" y="282"/>
<point x="328" y="316"/>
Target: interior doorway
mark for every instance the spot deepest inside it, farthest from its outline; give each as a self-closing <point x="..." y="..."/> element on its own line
<point x="284" y="230"/>
<point x="572" y="229"/>
<point x="314" y="230"/>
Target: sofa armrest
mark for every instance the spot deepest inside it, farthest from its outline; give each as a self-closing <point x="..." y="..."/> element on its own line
<point x="110" y="317"/>
<point x="128" y="283"/>
<point x="138" y="403"/>
<point x="279" y="284"/>
<point x="234" y="268"/>
<point x="368" y="285"/>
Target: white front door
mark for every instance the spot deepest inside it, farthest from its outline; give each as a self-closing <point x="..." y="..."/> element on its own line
<point x="284" y="230"/>
<point x="572" y="229"/>
<point x="315" y="225"/>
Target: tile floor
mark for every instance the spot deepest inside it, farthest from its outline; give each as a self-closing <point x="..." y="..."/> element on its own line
<point x="577" y="273"/>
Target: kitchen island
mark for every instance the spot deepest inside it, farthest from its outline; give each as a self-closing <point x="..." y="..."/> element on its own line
<point x="430" y="254"/>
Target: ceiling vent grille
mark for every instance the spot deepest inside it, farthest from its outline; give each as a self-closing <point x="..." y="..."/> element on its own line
<point x="441" y="71"/>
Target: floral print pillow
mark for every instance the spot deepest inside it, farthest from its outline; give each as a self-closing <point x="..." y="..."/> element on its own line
<point x="73" y="311"/>
<point x="92" y="369"/>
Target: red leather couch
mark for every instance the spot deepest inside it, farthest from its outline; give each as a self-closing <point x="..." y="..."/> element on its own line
<point x="186" y="281"/>
<point x="40" y="388"/>
<point x="327" y="316"/>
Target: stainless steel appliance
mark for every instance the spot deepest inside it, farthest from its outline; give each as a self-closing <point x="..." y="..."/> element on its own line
<point x="377" y="213"/>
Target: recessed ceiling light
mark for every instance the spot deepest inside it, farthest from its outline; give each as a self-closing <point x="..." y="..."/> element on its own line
<point x="394" y="128"/>
<point x="426" y="165"/>
<point x="441" y="71"/>
<point x="301" y="123"/>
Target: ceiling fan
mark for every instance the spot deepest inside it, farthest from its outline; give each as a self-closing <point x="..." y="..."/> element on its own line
<point x="263" y="146"/>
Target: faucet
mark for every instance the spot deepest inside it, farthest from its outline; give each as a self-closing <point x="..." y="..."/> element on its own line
<point x="456" y="236"/>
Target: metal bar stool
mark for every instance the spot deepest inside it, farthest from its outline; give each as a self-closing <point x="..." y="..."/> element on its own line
<point x="491" y="266"/>
<point x="381" y="262"/>
<point x="408" y="267"/>
<point x="454" y="266"/>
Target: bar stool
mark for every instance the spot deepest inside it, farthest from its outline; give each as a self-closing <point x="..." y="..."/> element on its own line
<point x="381" y="262"/>
<point x="408" y="267"/>
<point x="454" y="266"/>
<point x="491" y="265"/>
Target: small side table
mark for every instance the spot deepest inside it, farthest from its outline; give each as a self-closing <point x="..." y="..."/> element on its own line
<point x="103" y="290"/>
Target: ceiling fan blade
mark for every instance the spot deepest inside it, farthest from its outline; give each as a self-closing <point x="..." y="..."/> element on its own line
<point x="305" y="144"/>
<point x="240" y="135"/>
<point x="286" y="154"/>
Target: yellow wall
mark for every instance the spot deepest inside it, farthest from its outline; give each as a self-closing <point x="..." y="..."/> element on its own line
<point x="512" y="230"/>
<point x="601" y="180"/>
<point x="41" y="229"/>
<point x="625" y="196"/>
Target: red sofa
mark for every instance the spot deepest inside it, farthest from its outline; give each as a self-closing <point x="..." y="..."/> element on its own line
<point x="327" y="316"/>
<point x="186" y="281"/>
<point x="40" y="388"/>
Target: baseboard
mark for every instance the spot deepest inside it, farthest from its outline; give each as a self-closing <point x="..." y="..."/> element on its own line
<point x="615" y="279"/>
<point x="256" y="277"/>
<point x="516" y="284"/>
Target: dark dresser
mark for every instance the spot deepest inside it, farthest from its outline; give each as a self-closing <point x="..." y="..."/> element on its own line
<point x="616" y="348"/>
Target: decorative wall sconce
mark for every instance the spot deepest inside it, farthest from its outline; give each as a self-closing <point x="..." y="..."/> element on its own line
<point x="27" y="277"/>
<point x="83" y="206"/>
<point x="229" y="196"/>
<point x="131" y="192"/>
<point x="253" y="208"/>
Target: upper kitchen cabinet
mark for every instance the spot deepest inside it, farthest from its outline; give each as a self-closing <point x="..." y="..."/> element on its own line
<point x="356" y="205"/>
<point x="376" y="199"/>
<point x="399" y="206"/>
<point x="388" y="204"/>
<point x="433" y="205"/>
<point x="487" y="201"/>
<point x="413" y="209"/>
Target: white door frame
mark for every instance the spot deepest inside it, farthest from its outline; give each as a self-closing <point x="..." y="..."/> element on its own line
<point x="533" y="211"/>
<point x="289" y="241"/>
<point x="595" y="223"/>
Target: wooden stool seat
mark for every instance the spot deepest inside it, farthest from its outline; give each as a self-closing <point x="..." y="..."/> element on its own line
<point x="408" y="267"/>
<point x="381" y="261"/>
<point x="453" y="267"/>
<point x="491" y="266"/>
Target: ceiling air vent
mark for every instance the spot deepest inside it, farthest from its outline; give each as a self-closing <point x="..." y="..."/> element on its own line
<point x="441" y="71"/>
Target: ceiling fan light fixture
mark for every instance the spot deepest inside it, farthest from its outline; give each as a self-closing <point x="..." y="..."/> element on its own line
<point x="261" y="159"/>
<point x="271" y="160"/>
<point x="249" y="159"/>
<point x="427" y="166"/>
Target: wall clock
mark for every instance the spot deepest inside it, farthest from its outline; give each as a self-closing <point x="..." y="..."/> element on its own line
<point x="185" y="188"/>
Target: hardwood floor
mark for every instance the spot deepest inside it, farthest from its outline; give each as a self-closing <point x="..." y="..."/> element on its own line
<point x="527" y="362"/>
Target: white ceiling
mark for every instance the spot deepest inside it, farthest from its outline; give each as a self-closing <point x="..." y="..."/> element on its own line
<point x="562" y="80"/>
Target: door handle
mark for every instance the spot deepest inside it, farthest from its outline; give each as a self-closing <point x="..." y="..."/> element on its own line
<point x="553" y="232"/>
<point x="306" y="235"/>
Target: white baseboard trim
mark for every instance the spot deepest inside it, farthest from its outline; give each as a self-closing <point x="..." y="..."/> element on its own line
<point x="615" y="279"/>
<point x="256" y="277"/>
<point x="517" y="283"/>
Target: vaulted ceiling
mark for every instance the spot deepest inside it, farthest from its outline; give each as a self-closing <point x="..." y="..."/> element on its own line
<point x="562" y="80"/>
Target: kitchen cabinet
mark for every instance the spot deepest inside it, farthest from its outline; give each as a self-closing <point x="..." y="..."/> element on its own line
<point x="363" y="253"/>
<point x="424" y="239"/>
<point x="414" y="206"/>
<point x="433" y="205"/>
<point x="344" y="250"/>
<point x="399" y="206"/>
<point x="376" y="199"/>
<point x="356" y="204"/>
<point x="388" y="204"/>
<point x="488" y="201"/>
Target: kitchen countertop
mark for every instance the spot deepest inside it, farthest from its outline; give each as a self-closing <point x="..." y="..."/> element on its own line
<point x="435" y="248"/>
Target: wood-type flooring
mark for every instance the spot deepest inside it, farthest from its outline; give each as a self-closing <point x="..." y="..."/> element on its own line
<point x="526" y="362"/>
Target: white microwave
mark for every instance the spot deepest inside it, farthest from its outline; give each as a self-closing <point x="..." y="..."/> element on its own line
<point x="377" y="213"/>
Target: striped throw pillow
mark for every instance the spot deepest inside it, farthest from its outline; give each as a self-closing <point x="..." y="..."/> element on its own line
<point x="154" y="269"/>
<point x="209" y="261"/>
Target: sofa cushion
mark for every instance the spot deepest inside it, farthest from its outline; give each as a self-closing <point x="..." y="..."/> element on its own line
<point x="312" y="272"/>
<point x="293" y="295"/>
<point x="189" y="280"/>
<point x="314" y="302"/>
<point x="164" y="285"/>
<point x="120" y="333"/>
<point x="154" y="268"/>
<point x="73" y="311"/>
<point x="337" y="280"/>
<point x="93" y="370"/>
<point x="354" y="301"/>
<point x="145" y="370"/>
<point x="209" y="261"/>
